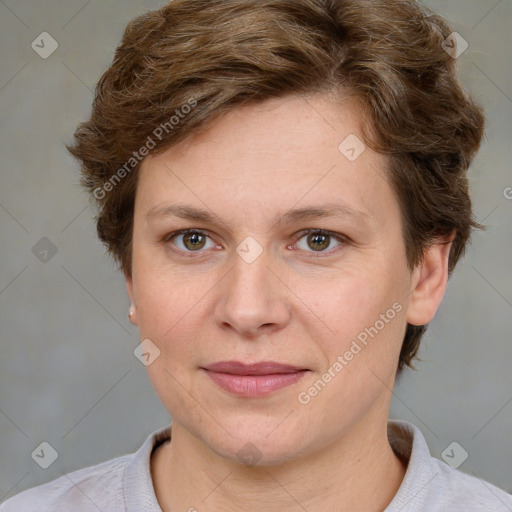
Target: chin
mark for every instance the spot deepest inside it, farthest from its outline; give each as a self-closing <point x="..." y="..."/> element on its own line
<point x="258" y="454"/>
<point x="257" y="443"/>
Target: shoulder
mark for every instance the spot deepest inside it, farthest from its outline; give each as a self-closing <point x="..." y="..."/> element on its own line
<point x="116" y="485"/>
<point x="430" y="485"/>
<point x="460" y="491"/>
<point x="84" y="490"/>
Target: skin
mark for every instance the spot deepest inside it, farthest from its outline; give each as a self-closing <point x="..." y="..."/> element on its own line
<point x="293" y="304"/>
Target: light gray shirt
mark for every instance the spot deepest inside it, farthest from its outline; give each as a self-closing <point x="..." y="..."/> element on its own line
<point x="124" y="484"/>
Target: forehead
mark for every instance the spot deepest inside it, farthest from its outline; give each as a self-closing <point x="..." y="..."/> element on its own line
<point x="260" y="160"/>
<point x="289" y="128"/>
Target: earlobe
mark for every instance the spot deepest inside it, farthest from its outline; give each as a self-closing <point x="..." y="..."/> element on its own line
<point x="132" y="314"/>
<point x="429" y="281"/>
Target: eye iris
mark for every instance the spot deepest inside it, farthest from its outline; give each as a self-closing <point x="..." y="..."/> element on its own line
<point x="196" y="241"/>
<point x="318" y="241"/>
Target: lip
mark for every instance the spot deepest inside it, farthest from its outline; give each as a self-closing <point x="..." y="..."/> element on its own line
<point x="253" y="380"/>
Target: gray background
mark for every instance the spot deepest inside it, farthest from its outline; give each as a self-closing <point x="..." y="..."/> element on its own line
<point x="67" y="371"/>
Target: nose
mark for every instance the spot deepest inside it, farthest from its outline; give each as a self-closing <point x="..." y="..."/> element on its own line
<point x="252" y="299"/>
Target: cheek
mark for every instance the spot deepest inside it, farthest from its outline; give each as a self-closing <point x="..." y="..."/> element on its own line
<point x="347" y="305"/>
<point x="366" y="320"/>
<point x="168" y="308"/>
<point x="168" y="313"/>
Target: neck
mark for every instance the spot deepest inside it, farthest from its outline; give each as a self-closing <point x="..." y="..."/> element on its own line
<point x="355" y="473"/>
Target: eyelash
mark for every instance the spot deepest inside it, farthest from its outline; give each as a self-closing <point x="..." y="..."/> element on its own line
<point x="343" y="240"/>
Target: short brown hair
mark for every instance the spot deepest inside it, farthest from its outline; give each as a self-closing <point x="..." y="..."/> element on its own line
<point x="180" y="67"/>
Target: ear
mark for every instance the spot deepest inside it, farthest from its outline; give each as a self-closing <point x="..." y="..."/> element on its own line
<point x="133" y="309"/>
<point x="429" y="281"/>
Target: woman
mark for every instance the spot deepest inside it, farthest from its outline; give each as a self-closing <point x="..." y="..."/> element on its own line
<point x="283" y="183"/>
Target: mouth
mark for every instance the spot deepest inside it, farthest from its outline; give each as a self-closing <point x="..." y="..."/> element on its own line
<point x="253" y="380"/>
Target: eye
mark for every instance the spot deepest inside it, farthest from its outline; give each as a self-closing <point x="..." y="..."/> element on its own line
<point x="318" y="240"/>
<point x="190" y="240"/>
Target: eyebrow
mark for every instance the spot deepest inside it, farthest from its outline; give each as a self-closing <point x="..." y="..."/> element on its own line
<point x="294" y="215"/>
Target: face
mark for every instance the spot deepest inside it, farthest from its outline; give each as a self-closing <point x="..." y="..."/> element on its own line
<point x="292" y="256"/>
